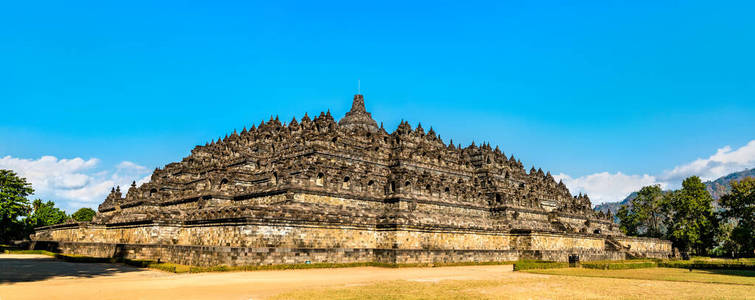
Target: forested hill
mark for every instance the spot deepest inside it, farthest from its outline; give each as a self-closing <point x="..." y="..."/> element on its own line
<point x="716" y="188"/>
<point x="614" y="206"/>
<point x="722" y="186"/>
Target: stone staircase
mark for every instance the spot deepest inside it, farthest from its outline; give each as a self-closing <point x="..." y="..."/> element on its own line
<point x="613" y="245"/>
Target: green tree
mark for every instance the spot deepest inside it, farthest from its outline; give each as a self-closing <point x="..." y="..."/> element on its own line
<point x="725" y="245"/>
<point x="13" y="205"/>
<point x="629" y="224"/>
<point x="691" y="223"/>
<point x="739" y="209"/>
<point x="644" y="215"/>
<point x="648" y="204"/>
<point x="45" y="213"/>
<point x="83" y="214"/>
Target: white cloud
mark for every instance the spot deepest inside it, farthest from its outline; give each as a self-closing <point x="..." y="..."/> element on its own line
<point x="606" y="187"/>
<point x="723" y="162"/>
<point x="73" y="183"/>
<point x="127" y="165"/>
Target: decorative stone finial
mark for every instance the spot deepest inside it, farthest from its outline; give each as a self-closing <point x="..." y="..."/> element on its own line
<point x="358" y="104"/>
<point x="358" y="117"/>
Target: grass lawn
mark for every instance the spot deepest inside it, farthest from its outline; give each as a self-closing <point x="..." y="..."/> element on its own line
<point x="656" y="283"/>
<point x="666" y="274"/>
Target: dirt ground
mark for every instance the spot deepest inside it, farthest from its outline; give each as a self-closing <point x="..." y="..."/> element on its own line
<point x="41" y="277"/>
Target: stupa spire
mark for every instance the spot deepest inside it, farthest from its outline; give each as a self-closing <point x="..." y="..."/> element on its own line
<point x="358" y="104"/>
<point x="358" y="117"/>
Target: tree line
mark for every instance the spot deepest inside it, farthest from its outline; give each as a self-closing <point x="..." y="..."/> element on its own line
<point x="687" y="217"/>
<point x="19" y="216"/>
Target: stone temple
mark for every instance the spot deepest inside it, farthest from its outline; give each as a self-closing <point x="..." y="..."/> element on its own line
<point x="317" y="190"/>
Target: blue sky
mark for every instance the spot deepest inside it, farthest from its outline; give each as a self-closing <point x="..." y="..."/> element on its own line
<point x="580" y="88"/>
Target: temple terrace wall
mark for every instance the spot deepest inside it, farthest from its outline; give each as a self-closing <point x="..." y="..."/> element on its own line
<point x="247" y="244"/>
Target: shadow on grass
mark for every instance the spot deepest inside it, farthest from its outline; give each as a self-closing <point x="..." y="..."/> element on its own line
<point x="745" y="273"/>
<point x="14" y="270"/>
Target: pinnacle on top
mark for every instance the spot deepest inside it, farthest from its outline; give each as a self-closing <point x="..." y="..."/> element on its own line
<point x="358" y="104"/>
<point x="358" y="117"/>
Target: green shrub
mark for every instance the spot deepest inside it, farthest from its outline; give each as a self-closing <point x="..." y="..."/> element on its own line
<point x="42" y="252"/>
<point x="176" y="268"/>
<point x="724" y="264"/>
<point x="538" y="264"/>
<point x="4" y="247"/>
<point x="619" y="265"/>
<point x="695" y="263"/>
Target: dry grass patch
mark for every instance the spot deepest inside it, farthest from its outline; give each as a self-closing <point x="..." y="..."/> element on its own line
<point x="528" y="286"/>
<point x="744" y="277"/>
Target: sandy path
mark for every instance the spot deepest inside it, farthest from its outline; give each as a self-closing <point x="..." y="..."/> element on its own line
<point x="40" y="277"/>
